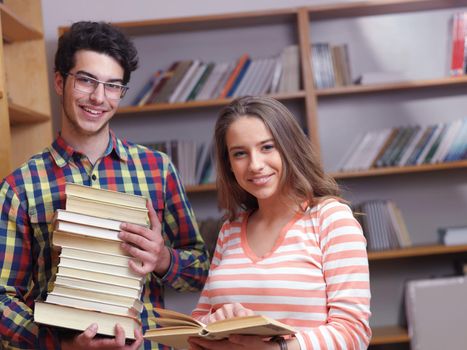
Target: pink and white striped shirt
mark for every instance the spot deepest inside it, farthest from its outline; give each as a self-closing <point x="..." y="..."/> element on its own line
<point x="315" y="278"/>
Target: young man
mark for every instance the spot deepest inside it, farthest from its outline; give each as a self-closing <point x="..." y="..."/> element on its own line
<point x="93" y="64"/>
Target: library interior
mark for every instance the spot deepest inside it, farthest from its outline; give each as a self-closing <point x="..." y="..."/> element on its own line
<point x="378" y="87"/>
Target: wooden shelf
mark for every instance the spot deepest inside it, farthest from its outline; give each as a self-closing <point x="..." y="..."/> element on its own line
<point x="389" y="335"/>
<point x="15" y="29"/>
<point x="22" y="115"/>
<point x="332" y="92"/>
<point x="378" y="7"/>
<point x="398" y="86"/>
<point x="164" y="107"/>
<point x="423" y="250"/>
<point x="371" y="173"/>
<point x="400" y="170"/>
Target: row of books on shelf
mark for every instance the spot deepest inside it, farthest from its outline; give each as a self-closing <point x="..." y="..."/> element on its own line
<point x="458" y="44"/>
<point x="383" y="225"/>
<point x="94" y="282"/>
<point x="408" y="145"/>
<point x="193" y="160"/>
<point x="195" y="80"/>
<point x="330" y="65"/>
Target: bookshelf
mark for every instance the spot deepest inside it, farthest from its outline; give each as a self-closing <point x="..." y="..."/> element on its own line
<point x="291" y="26"/>
<point x="25" y="116"/>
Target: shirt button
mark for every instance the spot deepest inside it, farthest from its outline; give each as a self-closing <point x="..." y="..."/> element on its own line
<point x="94" y="177"/>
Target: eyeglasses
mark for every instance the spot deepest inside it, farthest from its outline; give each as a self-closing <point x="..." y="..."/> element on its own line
<point x="86" y="84"/>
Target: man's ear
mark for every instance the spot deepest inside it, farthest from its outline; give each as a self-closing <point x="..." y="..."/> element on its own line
<point x="59" y="81"/>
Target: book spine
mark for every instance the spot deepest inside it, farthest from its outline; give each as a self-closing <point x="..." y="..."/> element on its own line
<point x="230" y="81"/>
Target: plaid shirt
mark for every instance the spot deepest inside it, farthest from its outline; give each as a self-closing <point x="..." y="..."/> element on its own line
<point x="29" y="198"/>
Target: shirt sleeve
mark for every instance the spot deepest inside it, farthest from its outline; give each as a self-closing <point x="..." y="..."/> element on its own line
<point x="189" y="258"/>
<point x="204" y="305"/>
<point x="17" y="327"/>
<point x="345" y="268"/>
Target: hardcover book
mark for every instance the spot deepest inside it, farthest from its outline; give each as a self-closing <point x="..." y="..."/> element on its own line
<point x="176" y="328"/>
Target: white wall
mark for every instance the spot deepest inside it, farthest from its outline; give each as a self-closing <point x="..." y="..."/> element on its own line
<point x="393" y="42"/>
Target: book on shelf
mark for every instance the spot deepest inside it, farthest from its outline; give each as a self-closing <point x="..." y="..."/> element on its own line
<point x="242" y="61"/>
<point x="176" y="328"/>
<point x="182" y="85"/>
<point x="383" y="225"/>
<point x="81" y="318"/>
<point x="458" y="25"/>
<point x="194" y="82"/>
<point x="238" y="78"/>
<point x="146" y="91"/>
<point x="174" y="76"/>
<point x="453" y="235"/>
<point x="290" y="76"/>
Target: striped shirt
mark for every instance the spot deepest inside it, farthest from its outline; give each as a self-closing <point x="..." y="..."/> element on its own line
<point x="31" y="194"/>
<point x="315" y="278"/>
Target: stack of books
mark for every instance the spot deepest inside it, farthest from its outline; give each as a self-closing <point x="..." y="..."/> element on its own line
<point x="94" y="283"/>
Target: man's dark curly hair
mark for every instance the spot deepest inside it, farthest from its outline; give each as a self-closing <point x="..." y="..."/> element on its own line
<point x="98" y="37"/>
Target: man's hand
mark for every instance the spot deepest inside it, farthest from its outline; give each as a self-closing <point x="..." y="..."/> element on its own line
<point x="88" y="340"/>
<point x="146" y="245"/>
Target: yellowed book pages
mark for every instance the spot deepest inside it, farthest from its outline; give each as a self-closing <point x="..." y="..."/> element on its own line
<point x="103" y="195"/>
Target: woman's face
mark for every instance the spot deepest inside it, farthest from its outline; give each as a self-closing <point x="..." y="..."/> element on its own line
<point x="254" y="159"/>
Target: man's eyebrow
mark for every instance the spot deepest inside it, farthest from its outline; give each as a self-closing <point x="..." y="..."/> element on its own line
<point x="83" y="72"/>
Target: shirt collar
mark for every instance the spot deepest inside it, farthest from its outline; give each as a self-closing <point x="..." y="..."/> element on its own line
<point x="62" y="152"/>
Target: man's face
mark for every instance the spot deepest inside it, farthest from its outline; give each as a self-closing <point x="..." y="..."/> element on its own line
<point x="88" y="113"/>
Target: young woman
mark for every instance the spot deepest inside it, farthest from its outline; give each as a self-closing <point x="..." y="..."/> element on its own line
<point x="290" y="249"/>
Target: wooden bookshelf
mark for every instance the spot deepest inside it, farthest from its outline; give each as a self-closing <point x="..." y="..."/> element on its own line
<point x="423" y="250"/>
<point x="298" y="22"/>
<point x="389" y="335"/>
<point x="25" y="115"/>
<point x="15" y="28"/>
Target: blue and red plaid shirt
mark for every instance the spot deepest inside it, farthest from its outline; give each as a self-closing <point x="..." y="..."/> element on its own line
<point x="31" y="194"/>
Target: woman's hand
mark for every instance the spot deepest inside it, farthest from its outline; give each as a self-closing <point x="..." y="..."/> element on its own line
<point x="227" y="311"/>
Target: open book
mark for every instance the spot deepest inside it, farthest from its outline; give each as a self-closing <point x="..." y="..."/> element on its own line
<point x="176" y="328"/>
